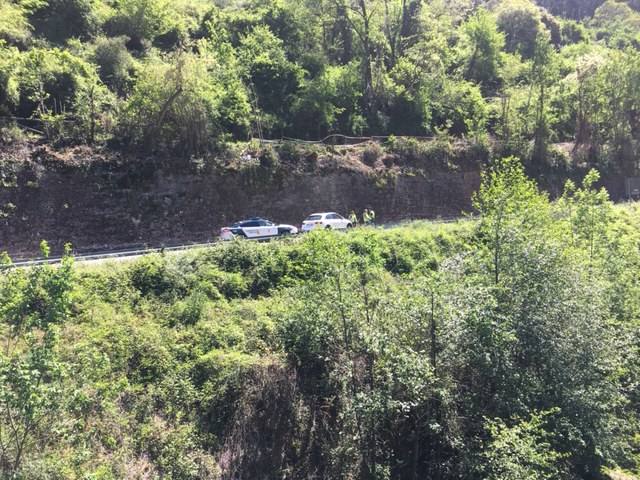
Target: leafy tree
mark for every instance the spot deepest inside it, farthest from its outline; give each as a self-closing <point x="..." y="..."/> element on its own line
<point x="619" y="86"/>
<point x="485" y="44"/>
<point x="289" y="22"/>
<point x="542" y="77"/>
<point x="522" y="451"/>
<point x="575" y="9"/>
<point x="62" y="90"/>
<point x="325" y="101"/>
<point x="410" y="109"/>
<point x="33" y="304"/>
<point x="617" y="23"/>
<point x="506" y="200"/>
<point x="573" y="32"/>
<point x="521" y="25"/>
<point x="182" y="104"/>
<point x="142" y="21"/>
<point x="272" y="78"/>
<point x="9" y="80"/>
<point x="460" y="108"/>
<point x="94" y="112"/>
<point x="60" y="20"/>
<point x="589" y="211"/>
<point x="114" y="61"/>
<point x="49" y="80"/>
<point x="531" y="319"/>
<point x="15" y="27"/>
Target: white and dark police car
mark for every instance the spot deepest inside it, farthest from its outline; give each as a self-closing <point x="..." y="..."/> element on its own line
<point x="256" y="229"/>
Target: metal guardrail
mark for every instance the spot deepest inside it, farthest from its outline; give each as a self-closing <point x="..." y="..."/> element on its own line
<point x="107" y="255"/>
<point x="338" y="139"/>
<point x="333" y="139"/>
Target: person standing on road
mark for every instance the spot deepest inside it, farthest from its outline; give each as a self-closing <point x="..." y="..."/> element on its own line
<point x="353" y="218"/>
<point x="365" y="216"/>
<point x="372" y="217"/>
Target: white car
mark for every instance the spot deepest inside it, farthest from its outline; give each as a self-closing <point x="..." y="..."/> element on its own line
<point x="256" y="229"/>
<point x="328" y="220"/>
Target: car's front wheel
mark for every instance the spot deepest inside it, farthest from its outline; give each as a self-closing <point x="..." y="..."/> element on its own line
<point x="284" y="232"/>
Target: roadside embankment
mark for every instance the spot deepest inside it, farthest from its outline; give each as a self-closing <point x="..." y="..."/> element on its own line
<point x="100" y="200"/>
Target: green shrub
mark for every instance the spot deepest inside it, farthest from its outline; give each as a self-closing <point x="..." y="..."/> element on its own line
<point x="371" y="154"/>
<point x="141" y="21"/>
<point x="114" y="61"/>
<point x="269" y="160"/>
<point x="104" y="284"/>
<point x="151" y="275"/>
<point x="523" y="451"/>
<point x="220" y="375"/>
<point x="60" y="20"/>
<point x="290" y="152"/>
<point x="174" y="450"/>
<point x="189" y="311"/>
<point x="398" y="261"/>
<point x="10" y="133"/>
<point x="270" y="271"/>
<point x="230" y="284"/>
<point x="422" y="154"/>
<point x="14" y="28"/>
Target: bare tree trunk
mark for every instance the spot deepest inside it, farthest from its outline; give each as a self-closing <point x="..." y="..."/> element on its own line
<point x="433" y="333"/>
<point x="392" y="29"/>
<point x="540" y="140"/>
<point x="346" y="335"/>
<point x="367" y="59"/>
<point x="410" y="11"/>
<point x="153" y="129"/>
<point x="92" y="130"/>
<point x="342" y="31"/>
<point x="416" y="454"/>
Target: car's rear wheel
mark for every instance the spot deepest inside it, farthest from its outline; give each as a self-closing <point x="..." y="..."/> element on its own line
<point x="328" y="227"/>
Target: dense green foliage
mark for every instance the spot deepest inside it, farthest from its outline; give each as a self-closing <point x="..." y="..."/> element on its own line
<point x="505" y="347"/>
<point x="184" y="77"/>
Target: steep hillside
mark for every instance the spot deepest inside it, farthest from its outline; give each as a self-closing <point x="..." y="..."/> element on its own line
<point x="186" y="78"/>
<point x="500" y="348"/>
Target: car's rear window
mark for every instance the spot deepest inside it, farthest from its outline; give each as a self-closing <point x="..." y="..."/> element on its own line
<point x="311" y="218"/>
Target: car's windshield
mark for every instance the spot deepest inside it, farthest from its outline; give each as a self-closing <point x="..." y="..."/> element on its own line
<point x="245" y="224"/>
<point x="311" y="218"/>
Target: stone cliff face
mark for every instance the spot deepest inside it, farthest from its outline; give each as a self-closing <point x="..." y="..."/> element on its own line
<point x="107" y="206"/>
